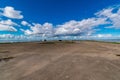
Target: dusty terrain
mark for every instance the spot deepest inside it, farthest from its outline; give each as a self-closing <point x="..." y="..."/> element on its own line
<point x="83" y="60"/>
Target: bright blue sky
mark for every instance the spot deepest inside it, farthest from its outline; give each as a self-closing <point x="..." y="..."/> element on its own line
<point x="58" y="15"/>
<point x="58" y="11"/>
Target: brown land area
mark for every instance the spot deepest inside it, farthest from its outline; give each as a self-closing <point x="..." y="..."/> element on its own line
<point x="81" y="60"/>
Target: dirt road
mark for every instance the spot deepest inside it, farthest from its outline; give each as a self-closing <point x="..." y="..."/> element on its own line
<point x="60" y="61"/>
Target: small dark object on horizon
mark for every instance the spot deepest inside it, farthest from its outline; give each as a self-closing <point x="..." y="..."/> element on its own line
<point x="45" y="40"/>
<point x="60" y="40"/>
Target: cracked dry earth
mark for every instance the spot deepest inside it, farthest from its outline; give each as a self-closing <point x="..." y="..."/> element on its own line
<point x="83" y="60"/>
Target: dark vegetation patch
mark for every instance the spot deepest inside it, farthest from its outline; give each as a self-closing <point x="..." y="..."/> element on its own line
<point x="118" y="55"/>
<point x="6" y="58"/>
<point x="7" y="43"/>
<point x="115" y="42"/>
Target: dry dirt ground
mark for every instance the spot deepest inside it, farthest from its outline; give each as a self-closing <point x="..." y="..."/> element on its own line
<point x="83" y="60"/>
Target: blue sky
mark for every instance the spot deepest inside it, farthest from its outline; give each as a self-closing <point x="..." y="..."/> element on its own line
<point x="52" y="19"/>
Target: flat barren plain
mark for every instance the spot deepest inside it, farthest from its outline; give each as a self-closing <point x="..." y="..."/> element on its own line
<point x="79" y="60"/>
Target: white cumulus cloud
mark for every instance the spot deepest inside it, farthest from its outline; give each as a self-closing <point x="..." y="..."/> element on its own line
<point x="71" y="28"/>
<point x="84" y="27"/>
<point x="10" y="12"/>
<point x="40" y="30"/>
<point x="25" y="23"/>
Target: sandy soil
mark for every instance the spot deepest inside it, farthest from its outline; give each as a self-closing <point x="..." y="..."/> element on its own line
<point x="83" y="60"/>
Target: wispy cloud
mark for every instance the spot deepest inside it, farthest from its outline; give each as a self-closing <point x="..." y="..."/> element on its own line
<point x="7" y="28"/>
<point x="8" y="25"/>
<point x="8" y="22"/>
<point x="113" y="16"/>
